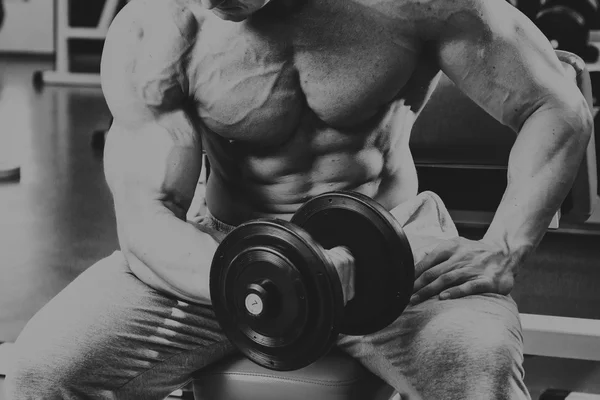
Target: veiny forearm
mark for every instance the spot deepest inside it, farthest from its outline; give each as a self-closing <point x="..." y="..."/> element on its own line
<point x="169" y="254"/>
<point x="541" y="170"/>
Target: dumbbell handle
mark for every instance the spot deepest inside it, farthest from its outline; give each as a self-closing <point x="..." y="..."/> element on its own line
<point x="343" y="261"/>
<point x="258" y="295"/>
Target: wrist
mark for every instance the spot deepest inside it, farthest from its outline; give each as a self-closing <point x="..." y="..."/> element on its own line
<point x="514" y="252"/>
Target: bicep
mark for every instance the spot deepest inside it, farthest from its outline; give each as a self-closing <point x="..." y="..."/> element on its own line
<point x="497" y="57"/>
<point x="153" y="149"/>
<point x="156" y="165"/>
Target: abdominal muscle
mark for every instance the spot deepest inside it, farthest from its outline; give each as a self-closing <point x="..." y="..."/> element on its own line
<point x="249" y="181"/>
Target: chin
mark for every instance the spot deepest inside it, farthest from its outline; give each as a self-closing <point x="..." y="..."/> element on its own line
<point x="230" y="17"/>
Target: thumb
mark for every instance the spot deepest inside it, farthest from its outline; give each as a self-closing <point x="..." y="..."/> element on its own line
<point x="437" y="255"/>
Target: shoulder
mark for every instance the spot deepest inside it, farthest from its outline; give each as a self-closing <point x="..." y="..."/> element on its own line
<point x="179" y="19"/>
<point x="441" y="9"/>
<point x="146" y="52"/>
<point x="432" y="18"/>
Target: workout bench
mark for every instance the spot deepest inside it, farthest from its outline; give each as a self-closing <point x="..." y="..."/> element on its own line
<point x="453" y="141"/>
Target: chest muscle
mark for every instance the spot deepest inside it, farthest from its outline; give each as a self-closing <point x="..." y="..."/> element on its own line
<point x="251" y="84"/>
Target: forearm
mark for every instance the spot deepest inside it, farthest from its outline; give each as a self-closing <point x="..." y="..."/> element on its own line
<point x="541" y="170"/>
<point x="170" y="255"/>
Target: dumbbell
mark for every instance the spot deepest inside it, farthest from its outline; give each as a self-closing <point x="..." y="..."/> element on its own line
<point x="567" y="24"/>
<point x="278" y="297"/>
<point x="528" y="7"/>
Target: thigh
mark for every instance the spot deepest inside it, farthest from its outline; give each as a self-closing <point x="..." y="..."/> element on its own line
<point x="449" y="340"/>
<point x="108" y="335"/>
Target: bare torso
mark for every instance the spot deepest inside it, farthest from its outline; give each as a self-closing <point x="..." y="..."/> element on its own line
<point x="292" y="107"/>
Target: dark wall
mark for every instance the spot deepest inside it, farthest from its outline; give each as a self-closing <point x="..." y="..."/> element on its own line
<point x="87" y="13"/>
<point x="85" y="53"/>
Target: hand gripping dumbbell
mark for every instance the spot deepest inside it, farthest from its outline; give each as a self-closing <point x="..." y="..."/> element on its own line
<point x="277" y="295"/>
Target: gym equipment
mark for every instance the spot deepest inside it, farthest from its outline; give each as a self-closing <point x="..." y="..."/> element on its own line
<point x="9" y="172"/>
<point x="340" y="377"/>
<point x="63" y="73"/>
<point x="279" y="298"/>
<point x="597" y="142"/>
<point x="1" y="13"/>
<point x="98" y="140"/>
<point x="527" y="7"/>
<point x="337" y="376"/>
<point x="558" y="394"/>
<point x="383" y="258"/>
<point x="567" y="24"/>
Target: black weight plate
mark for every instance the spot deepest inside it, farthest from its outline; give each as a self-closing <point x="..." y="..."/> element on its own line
<point x="564" y="25"/>
<point x="584" y="7"/>
<point x="384" y="275"/>
<point x="302" y="312"/>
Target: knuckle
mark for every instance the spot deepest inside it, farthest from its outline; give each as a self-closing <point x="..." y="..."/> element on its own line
<point x="423" y="294"/>
<point x="432" y="288"/>
<point x="480" y="285"/>
<point x="424" y="291"/>
<point x="452" y="276"/>
<point x="429" y="275"/>
<point x="446" y="278"/>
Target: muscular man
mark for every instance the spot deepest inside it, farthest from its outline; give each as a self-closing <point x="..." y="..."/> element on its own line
<point x="291" y="99"/>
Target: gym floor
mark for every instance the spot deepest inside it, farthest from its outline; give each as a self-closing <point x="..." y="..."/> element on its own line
<point x="58" y="220"/>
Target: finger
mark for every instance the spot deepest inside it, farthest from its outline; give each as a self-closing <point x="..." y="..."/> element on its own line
<point x="218" y="236"/>
<point x="444" y="281"/>
<point x="351" y="283"/>
<point x="343" y="262"/>
<point x="477" y="286"/>
<point x="440" y="254"/>
<point x="348" y="273"/>
<point x="433" y="273"/>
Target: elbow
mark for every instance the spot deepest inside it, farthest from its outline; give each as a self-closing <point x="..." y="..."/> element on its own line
<point x="572" y="118"/>
<point x="582" y="121"/>
<point x="136" y="238"/>
<point x="576" y="126"/>
<point x="587" y="122"/>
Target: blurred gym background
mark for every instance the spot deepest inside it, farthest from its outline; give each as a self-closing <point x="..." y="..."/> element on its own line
<point x="56" y="216"/>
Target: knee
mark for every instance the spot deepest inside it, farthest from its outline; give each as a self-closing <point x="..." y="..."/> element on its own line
<point x="40" y="377"/>
<point x="474" y="340"/>
<point x="480" y="354"/>
<point x="27" y="379"/>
